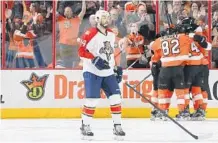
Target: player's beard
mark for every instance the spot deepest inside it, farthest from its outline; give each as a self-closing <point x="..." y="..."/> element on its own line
<point x="104" y="25"/>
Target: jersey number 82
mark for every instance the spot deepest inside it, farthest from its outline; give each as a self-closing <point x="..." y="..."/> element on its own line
<point x="170" y="47"/>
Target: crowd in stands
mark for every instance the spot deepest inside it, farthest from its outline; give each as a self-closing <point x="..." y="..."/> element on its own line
<point x="28" y="34"/>
<point x="29" y="29"/>
<point x="215" y="34"/>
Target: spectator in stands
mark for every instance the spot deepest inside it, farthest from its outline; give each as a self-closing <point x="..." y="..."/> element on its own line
<point x="38" y="23"/>
<point x="135" y="52"/>
<point x="214" y="5"/>
<point x="24" y="42"/>
<point x="69" y="29"/>
<point x="140" y="18"/>
<point x="91" y="8"/>
<point x="10" y="28"/>
<point x="203" y="13"/>
<point x="38" y="30"/>
<point x="143" y="21"/>
<point x="187" y="5"/>
<point x="194" y="10"/>
<point x="17" y="9"/>
<point x="132" y="6"/>
<point x="215" y="40"/>
<point x="173" y="10"/>
<point x="116" y="23"/>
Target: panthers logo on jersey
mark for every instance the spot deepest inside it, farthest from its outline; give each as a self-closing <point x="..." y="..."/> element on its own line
<point x="107" y="50"/>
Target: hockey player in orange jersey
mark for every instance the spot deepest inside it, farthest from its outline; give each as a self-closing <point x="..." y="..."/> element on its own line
<point x="173" y="51"/>
<point x="155" y="70"/>
<point x="203" y="30"/>
<point x="195" y="72"/>
<point x="155" y="65"/>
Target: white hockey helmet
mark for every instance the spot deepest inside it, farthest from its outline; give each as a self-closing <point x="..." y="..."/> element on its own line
<point x="102" y="17"/>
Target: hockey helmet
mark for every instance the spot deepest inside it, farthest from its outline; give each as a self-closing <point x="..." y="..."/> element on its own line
<point x="190" y="24"/>
<point x="102" y="17"/>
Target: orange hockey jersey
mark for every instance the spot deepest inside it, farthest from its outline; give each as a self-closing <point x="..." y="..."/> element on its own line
<point x="172" y="50"/>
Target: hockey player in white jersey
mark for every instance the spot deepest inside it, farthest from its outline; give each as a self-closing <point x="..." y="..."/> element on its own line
<point x="100" y="72"/>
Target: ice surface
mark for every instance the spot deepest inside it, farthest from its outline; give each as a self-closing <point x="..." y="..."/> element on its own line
<point x="137" y="130"/>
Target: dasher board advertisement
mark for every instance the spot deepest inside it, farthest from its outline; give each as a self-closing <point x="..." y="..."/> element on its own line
<point x="60" y="93"/>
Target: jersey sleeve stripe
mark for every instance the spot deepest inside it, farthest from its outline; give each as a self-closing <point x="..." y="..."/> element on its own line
<point x="86" y="38"/>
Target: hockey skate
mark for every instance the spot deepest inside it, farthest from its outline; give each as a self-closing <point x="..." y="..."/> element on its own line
<point x="86" y="132"/>
<point x="198" y="115"/>
<point x="163" y="116"/>
<point x="118" y="132"/>
<point x="184" y="115"/>
<point x="155" y="115"/>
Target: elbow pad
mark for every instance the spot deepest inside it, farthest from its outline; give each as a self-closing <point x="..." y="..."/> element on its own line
<point x="201" y="40"/>
<point x="203" y="44"/>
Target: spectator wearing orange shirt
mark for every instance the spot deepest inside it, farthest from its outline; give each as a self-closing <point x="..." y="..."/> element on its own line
<point x="35" y="16"/>
<point x="68" y="33"/>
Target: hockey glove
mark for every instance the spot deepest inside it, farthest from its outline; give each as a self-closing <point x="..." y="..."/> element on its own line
<point x="201" y="40"/>
<point x="118" y="73"/>
<point x="100" y="63"/>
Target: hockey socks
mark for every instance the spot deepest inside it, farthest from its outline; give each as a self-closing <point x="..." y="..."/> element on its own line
<point x="88" y="110"/>
<point x="205" y="97"/>
<point x="197" y="97"/>
<point x="164" y="98"/>
<point x="180" y="99"/>
<point x="115" y="106"/>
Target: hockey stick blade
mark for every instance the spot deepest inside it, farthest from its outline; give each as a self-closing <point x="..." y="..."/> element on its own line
<point x="205" y="136"/>
<point x="174" y="121"/>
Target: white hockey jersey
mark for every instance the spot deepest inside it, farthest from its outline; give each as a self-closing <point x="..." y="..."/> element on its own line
<point x="95" y="43"/>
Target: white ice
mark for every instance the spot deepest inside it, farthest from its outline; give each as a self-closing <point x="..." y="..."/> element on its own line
<point x="137" y="131"/>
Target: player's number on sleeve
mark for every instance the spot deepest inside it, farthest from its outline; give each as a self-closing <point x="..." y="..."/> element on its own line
<point x="194" y="48"/>
<point x="166" y="47"/>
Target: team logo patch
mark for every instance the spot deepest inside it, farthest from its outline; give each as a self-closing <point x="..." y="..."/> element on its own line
<point x="35" y="86"/>
<point x="107" y="50"/>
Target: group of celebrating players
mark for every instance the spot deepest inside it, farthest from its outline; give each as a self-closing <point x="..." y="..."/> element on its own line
<point x="180" y="65"/>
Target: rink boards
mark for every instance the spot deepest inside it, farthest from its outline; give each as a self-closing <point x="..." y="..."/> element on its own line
<point x="59" y="94"/>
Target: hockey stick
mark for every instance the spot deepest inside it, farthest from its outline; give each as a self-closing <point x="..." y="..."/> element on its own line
<point x="132" y="64"/>
<point x="183" y="128"/>
<point x="121" y="50"/>
<point x="142" y="80"/>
